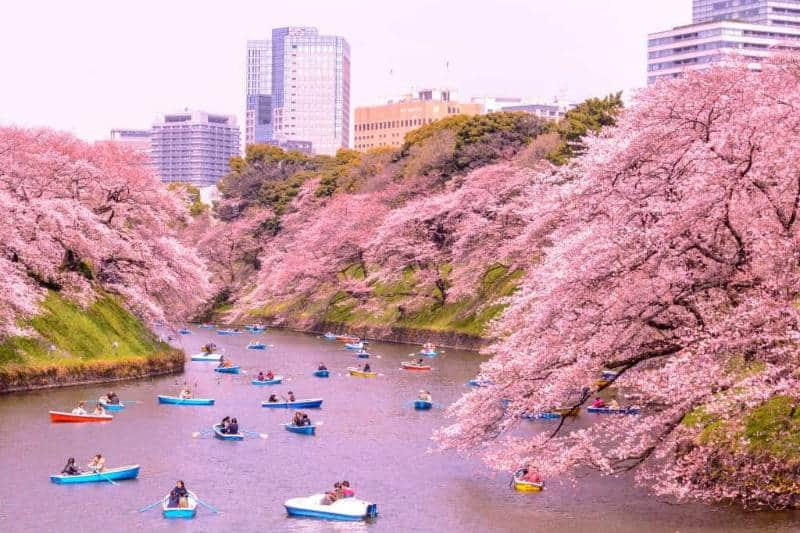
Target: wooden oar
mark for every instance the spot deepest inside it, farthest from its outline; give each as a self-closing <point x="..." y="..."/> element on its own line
<point x="143" y="509"/>
<point x="204" y="504"/>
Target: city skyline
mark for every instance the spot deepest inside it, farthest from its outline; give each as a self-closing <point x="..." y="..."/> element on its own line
<point x="515" y="49"/>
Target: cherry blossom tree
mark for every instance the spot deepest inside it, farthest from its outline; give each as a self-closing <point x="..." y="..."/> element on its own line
<point x="670" y="255"/>
<point x="79" y="218"/>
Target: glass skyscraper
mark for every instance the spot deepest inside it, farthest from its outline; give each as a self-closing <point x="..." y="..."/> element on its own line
<point x="258" y="119"/>
<point x="309" y="89"/>
<point x="772" y="12"/>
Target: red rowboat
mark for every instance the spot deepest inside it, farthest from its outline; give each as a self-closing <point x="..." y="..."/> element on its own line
<point x="58" y="416"/>
<point x="414" y="366"/>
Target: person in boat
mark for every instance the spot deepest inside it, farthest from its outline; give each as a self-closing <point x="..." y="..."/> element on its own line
<point x="98" y="409"/>
<point x="291" y="397"/>
<point x="306" y="420"/>
<point x="530" y="475"/>
<point x="178" y="496"/>
<point x="103" y="399"/>
<point x="598" y="403"/>
<point x="70" y="469"/>
<point x="222" y="361"/>
<point x="113" y="399"/>
<point x="97" y="464"/>
<point x="613" y="404"/>
<point x="273" y="398"/>
<point x="80" y="410"/>
<point x="333" y="495"/>
<point x="270" y="375"/>
<point x="347" y="492"/>
<point x="322" y="367"/>
<point x="224" y="424"/>
<point x="261" y="377"/>
<point x="233" y="427"/>
<point x="367" y="368"/>
<point x="228" y="363"/>
<point x="425" y="396"/>
<point x="186" y="393"/>
<point x="420" y="362"/>
<point x="297" y="419"/>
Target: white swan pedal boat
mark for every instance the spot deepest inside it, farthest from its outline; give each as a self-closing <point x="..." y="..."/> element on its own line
<point x="344" y="509"/>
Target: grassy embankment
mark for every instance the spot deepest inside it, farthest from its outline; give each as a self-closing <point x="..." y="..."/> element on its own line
<point x="75" y="345"/>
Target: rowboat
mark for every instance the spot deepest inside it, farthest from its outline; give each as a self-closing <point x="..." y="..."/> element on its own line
<point x="112" y="406"/>
<point x="303" y="430"/>
<point x="60" y="416"/>
<point x="227" y="332"/>
<point x="609" y="375"/>
<point x="479" y="382"/>
<point x="422" y="405"/>
<point x="184" y="331"/>
<point x="256" y="346"/>
<point x="526" y="486"/>
<point x="184" y="401"/>
<point x="321" y="373"/>
<point x="354" y="345"/>
<point x="363" y="355"/>
<point x="255" y="328"/>
<point x="330" y="336"/>
<point x="228" y="369"/>
<point x="274" y="381"/>
<point x="297" y="404"/>
<point x="207" y="326"/>
<point x="360" y="373"/>
<point x="206" y="357"/>
<point x="351" y="509"/>
<point x="541" y="416"/>
<point x="114" y="474"/>
<point x="414" y="366"/>
<point x="180" y="512"/>
<point x="226" y="436"/>
<point x="610" y="411"/>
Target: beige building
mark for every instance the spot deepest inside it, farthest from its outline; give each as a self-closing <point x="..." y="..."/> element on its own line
<point x="387" y="125"/>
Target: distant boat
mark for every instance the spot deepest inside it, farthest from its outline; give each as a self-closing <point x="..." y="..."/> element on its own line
<point x="227" y="332"/>
<point x="429" y="353"/>
<point x="297" y="404"/>
<point x="479" y="382"/>
<point x="321" y="373"/>
<point x="226" y="436"/>
<point x="618" y="411"/>
<point x="541" y="416"/>
<point x="363" y="355"/>
<point x="180" y="512"/>
<point x="330" y="336"/>
<point x="354" y="345"/>
<point x="422" y="405"/>
<point x="414" y="366"/>
<point x="351" y="509"/>
<point x="175" y="400"/>
<point x="60" y="416"/>
<point x="303" y="430"/>
<point x="360" y="373"/>
<point x="228" y="369"/>
<point x="206" y="357"/>
<point x="526" y="486"/>
<point x="112" y="406"/>
<point x="114" y="474"/>
<point x="184" y="331"/>
<point x="274" y="381"/>
<point x="255" y="328"/>
<point x="207" y="326"/>
<point x="256" y="346"/>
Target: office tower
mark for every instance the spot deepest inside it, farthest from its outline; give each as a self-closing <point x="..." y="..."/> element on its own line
<point x="770" y="12"/>
<point x="387" y="124"/>
<point x="194" y="146"/>
<point x="138" y="140"/>
<point x="258" y="115"/>
<point x="310" y="89"/>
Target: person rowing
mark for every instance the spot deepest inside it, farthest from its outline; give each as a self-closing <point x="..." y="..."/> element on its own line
<point x="233" y="427"/>
<point x="269" y="376"/>
<point x="80" y="410"/>
<point x="598" y="403"/>
<point x="347" y="491"/>
<point x="178" y="496"/>
<point x="273" y="398"/>
<point x="261" y="376"/>
<point x="224" y="424"/>
<point x="186" y="393"/>
<point x="530" y="475"/>
<point x="291" y="397"/>
<point x="297" y="419"/>
<point x="97" y="464"/>
<point x="367" y="368"/>
<point x="322" y="367"/>
<point x="70" y="469"/>
<point x="98" y="410"/>
<point x="113" y="399"/>
<point x="222" y="361"/>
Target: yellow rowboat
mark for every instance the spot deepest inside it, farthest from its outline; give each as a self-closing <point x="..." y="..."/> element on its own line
<point x="360" y="373"/>
<point x="527" y="486"/>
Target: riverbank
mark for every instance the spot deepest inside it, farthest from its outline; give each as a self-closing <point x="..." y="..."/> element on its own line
<point x="68" y="344"/>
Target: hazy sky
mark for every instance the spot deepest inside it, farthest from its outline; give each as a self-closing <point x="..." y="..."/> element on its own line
<point x="91" y="65"/>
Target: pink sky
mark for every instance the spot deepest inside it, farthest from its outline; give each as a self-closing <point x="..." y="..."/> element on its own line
<point x="88" y="65"/>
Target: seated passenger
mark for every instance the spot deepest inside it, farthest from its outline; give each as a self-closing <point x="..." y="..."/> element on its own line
<point x="291" y="397"/>
<point x="186" y="393"/>
<point x="531" y="476"/>
<point x="228" y="363"/>
<point x="233" y="427"/>
<point x="598" y="403"/>
<point x="347" y="491"/>
<point x="97" y="463"/>
<point x="80" y="410"/>
<point x="613" y="404"/>
<point x="367" y="367"/>
<point x="224" y="424"/>
<point x="297" y="419"/>
<point x="222" y="361"/>
<point x="273" y="398"/>
<point x="322" y="367"/>
<point x="70" y="469"/>
<point x="425" y="396"/>
<point x="113" y="399"/>
<point x="270" y="375"/>
<point x="306" y="421"/>
<point x="261" y="377"/>
<point x="178" y="495"/>
<point x="420" y="361"/>
<point x="98" y="410"/>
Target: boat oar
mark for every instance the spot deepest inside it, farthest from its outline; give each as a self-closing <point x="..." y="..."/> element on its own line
<point x="143" y="509"/>
<point x="207" y="506"/>
<point x="106" y="478"/>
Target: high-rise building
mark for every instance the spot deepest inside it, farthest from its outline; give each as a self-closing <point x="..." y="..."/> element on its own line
<point x="138" y="140"/>
<point x="749" y="29"/>
<point x="194" y="146"/>
<point x="771" y="12"/>
<point x="258" y="115"/>
<point x="387" y="124"/>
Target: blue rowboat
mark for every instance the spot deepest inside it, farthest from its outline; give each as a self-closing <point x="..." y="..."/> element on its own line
<point x="303" y="430"/>
<point x="184" y="401"/>
<point x="541" y="416"/>
<point x="274" y="381"/>
<point x="180" y="512"/>
<point x="297" y="404"/>
<point x="321" y="373"/>
<point x="330" y="336"/>
<point x="256" y="346"/>
<point x="184" y="331"/>
<point x="121" y="472"/>
<point x="345" y="509"/>
<point x="354" y="346"/>
<point x="207" y="326"/>
<point x="226" y="436"/>
<point x="363" y="355"/>
<point x="479" y="383"/>
<point x="227" y="332"/>
<point x="228" y="370"/>
<point x="609" y="375"/>
<point x="610" y="411"/>
<point x="206" y="357"/>
<point x="112" y="406"/>
<point x="421" y="405"/>
<point x="255" y="329"/>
